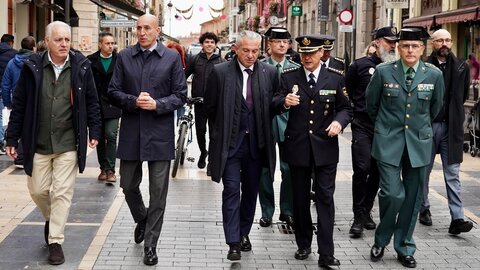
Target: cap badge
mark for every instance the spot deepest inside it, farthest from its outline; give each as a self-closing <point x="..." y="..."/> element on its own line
<point x="306" y="41"/>
<point x="393" y="31"/>
<point x="327" y="42"/>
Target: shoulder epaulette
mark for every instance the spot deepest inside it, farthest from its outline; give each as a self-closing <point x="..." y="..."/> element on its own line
<point x="386" y="63"/>
<point x="340" y="59"/>
<point x="290" y="69"/>
<point x="430" y="65"/>
<point x="340" y="72"/>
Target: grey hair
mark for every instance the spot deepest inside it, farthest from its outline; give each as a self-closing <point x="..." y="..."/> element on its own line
<point x="54" y="24"/>
<point x="246" y="34"/>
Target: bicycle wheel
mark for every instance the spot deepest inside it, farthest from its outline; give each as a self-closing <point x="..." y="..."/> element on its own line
<point x="180" y="148"/>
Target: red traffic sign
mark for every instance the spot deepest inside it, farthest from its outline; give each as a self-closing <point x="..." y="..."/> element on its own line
<point x="345" y="16"/>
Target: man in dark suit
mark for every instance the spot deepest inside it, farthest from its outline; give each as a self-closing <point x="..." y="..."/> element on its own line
<point x="238" y="99"/>
<point x="403" y="97"/>
<point x="448" y="130"/>
<point x="318" y="112"/>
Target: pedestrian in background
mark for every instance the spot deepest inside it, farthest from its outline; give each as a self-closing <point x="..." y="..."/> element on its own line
<point x="448" y="131"/>
<point x="318" y="112"/>
<point x="148" y="84"/>
<point x="403" y="98"/>
<point x="474" y="74"/>
<point x="200" y="66"/>
<point x="9" y="82"/>
<point x="238" y="99"/>
<point x="365" y="177"/>
<point x="278" y="39"/>
<point x="6" y="54"/>
<point x="55" y="113"/>
<point x="370" y="49"/>
<point x="103" y="63"/>
<point x="327" y="59"/>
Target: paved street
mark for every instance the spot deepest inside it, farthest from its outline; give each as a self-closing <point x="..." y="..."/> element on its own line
<point x="99" y="233"/>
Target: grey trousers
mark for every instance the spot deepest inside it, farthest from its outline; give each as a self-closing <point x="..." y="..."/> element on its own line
<point x="130" y="179"/>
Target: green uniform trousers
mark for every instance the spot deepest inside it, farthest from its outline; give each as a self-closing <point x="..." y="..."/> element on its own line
<point x="399" y="201"/>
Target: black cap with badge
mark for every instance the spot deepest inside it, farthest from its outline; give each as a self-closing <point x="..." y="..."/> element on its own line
<point x="413" y="33"/>
<point x="388" y="33"/>
<point x="312" y="43"/>
<point x="277" y="33"/>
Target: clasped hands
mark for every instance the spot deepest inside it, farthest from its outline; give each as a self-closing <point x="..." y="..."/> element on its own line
<point x="146" y="102"/>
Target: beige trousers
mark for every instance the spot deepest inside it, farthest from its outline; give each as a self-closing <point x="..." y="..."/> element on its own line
<point x="51" y="188"/>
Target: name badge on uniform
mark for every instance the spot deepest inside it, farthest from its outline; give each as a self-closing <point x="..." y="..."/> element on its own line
<point x="425" y="87"/>
<point x="327" y="92"/>
<point x="391" y="85"/>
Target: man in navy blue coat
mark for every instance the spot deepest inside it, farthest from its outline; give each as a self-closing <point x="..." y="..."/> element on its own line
<point x="148" y="84"/>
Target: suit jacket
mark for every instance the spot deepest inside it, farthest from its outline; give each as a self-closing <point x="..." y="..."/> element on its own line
<point x="305" y="132"/>
<point x="403" y="118"/>
<point x="280" y="121"/>
<point x="457" y="84"/>
<point x="223" y="103"/>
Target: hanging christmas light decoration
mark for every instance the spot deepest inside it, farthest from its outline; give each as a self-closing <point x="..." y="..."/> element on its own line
<point x="188" y="12"/>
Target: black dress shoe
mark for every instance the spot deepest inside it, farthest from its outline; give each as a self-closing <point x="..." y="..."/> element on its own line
<point x="376" y="253"/>
<point x="325" y="260"/>
<point x="55" y="254"/>
<point x="245" y="244"/>
<point x="356" y="230"/>
<point x="302" y="254"/>
<point x="458" y="226"/>
<point x="150" y="257"/>
<point x="46" y="231"/>
<point x="265" y="222"/>
<point x="425" y="218"/>
<point x="368" y="222"/>
<point x="234" y="253"/>
<point x="139" y="233"/>
<point x="287" y="219"/>
<point x="407" y="261"/>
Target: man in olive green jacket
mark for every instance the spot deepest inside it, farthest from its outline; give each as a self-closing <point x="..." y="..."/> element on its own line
<point x="403" y="98"/>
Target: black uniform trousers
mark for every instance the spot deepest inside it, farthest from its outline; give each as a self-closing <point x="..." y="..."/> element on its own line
<point x="365" y="179"/>
<point x="131" y="177"/>
<point x="201" y="126"/>
<point x="324" y="187"/>
<point x="241" y="180"/>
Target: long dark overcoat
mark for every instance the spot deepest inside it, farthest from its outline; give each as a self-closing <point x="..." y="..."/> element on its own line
<point x="223" y="103"/>
<point x="457" y="83"/>
<point x="147" y="135"/>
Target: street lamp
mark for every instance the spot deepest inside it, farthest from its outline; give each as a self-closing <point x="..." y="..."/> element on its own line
<point x="170" y="5"/>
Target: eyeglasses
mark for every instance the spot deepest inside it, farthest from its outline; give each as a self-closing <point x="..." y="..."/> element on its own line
<point x="277" y="41"/>
<point x="408" y="46"/>
<point x="442" y="40"/>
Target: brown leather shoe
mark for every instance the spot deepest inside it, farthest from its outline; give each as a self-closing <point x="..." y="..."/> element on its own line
<point x="102" y="176"/>
<point x="111" y="177"/>
<point x="55" y="256"/>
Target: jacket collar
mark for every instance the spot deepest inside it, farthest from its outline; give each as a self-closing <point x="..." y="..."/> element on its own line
<point x="159" y="50"/>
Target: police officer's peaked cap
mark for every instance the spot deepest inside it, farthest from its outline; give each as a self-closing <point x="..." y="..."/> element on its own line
<point x="388" y="33"/>
<point x="277" y="33"/>
<point x="311" y="43"/>
<point x="413" y="33"/>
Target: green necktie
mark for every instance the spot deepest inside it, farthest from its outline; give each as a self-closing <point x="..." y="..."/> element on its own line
<point x="279" y="70"/>
<point x="409" y="77"/>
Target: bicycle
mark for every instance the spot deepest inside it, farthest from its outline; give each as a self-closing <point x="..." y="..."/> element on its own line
<point x="185" y="134"/>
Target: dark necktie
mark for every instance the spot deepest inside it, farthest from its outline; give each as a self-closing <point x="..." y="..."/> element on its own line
<point x="409" y="77"/>
<point x="249" y="98"/>
<point x="145" y="55"/>
<point x="279" y="70"/>
<point x="324" y="67"/>
<point x="311" y="82"/>
<point x="443" y="66"/>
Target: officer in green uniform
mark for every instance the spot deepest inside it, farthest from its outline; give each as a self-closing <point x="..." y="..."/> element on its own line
<point x="278" y="39"/>
<point x="403" y="98"/>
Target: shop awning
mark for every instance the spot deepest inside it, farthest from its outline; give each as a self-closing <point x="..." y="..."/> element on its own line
<point x="119" y="7"/>
<point x="60" y="16"/>
<point x="452" y="16"/>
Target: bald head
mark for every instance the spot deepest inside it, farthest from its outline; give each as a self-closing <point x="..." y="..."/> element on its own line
<point x="147" y="30"/>
<point x="442" y="43"/>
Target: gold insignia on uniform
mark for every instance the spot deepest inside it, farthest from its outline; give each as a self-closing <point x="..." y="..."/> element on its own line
<point x="295" y="89"/>
<point x="306" y="41"/>
<point x="327" y="42"/>
<point x="345" y="93"/>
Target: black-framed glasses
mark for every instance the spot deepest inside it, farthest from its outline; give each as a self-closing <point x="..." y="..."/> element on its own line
<point x="408" y="46"/>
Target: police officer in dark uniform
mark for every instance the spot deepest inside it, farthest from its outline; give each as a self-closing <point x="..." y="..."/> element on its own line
<point x="365" y="173"/>
<point x="318" y="112"/>
<point x="336" y="63"/>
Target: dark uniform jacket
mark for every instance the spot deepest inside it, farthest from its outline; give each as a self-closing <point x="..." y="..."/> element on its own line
<point x="223" y="103"/>
<point x="24" y="117"/>
<point x="457" y="82"/>
<point x="102" y="79"/>
<point x="402" y="117"/>
<point x="147" y="135"/>
<point x="201" y="67"/>
<point x="307" y="121"/>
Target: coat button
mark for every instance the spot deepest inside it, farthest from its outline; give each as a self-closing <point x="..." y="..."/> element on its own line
<point x="311" y="122"/>
<point x="325" y="113"/>
<point x="327" y="106"/>
<point x="388" y="94"/>
<point x="408" y="115"/>
<point x="406" y="126"/>
<point x="409" y="94"/>
<point x="408" y="105"/>
<point x="312" y="112"/>
<point x="311" y="101"/>
<point x="310" y="131"/>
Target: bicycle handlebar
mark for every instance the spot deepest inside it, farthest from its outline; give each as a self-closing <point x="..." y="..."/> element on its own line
<point x="194" y="100"/>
